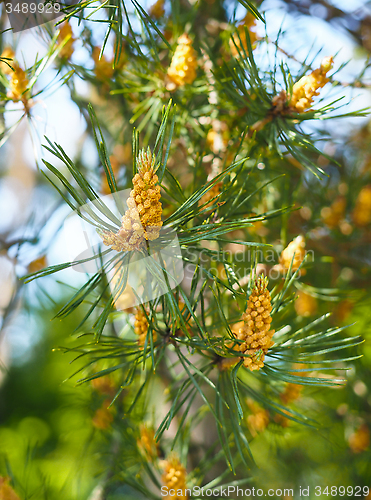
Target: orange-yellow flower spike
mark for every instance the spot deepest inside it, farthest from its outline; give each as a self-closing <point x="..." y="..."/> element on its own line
<point x="295" y="252"/>
<point x="183" y="65"/>
<point x="305" y="305"/>
<point x="308" y="87"/>
<point x="258" y="420"/>
<point x="147" y="443"/>
<point x="142" y="221"/>
<point x="18" y="85"/>
<point x="157" y="10"/>
<point x="103" y="416"/>
<point x="235" y="41"/>
<point x="37" y="264"/>
<point x="6" y="491"/>
<point x="141" y="326"/>
<point x="67" y="50"/>
<point x="256" y="332"/>
<point x="8" y="53"/>
<point x="362" y="212"/>
<point x="291" y="393"/>
<point x="103" y="68"/>
<point x="359" y="441"/>
<point x="334" y="214"/>
<point x="174" y="478"/>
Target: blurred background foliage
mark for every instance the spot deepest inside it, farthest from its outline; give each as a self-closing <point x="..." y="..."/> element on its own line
<point x="57" y="438"/>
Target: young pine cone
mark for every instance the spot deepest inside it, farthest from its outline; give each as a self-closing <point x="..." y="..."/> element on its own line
<point x="295" y="252"/>
<point x="146" y="195"/>
<point x="333" y="215"/>
<point x="103" y="416"/>
<point x="249" y="22"/>
<point x="183" y="65"/>
<point x="362" y="212"/>
<point x="147" y="444"/>
<point x="18" y="84"/>
<point x="258" y="420"/>
<point x="142" y="222"/>
<point x="308" y="87"/>
<point x="8" y="53"/>
<point x="256" y="332"/>
<point x="67" y="50"/>
<point x="141" y="327"/>
<point x="291" y="393"/>
<point x="6" y="491"/>
<point x="305" y="304"/>
<point x="157" y="10"/>
<point x="103" y="69"/>
<point x="174" y="478"/>
<point x="209" y="195"/>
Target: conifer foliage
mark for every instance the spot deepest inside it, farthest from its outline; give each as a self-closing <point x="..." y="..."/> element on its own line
<point x="209" y="137"/>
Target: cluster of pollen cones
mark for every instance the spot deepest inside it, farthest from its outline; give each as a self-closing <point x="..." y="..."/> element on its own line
<point x="142" y="221"/>
<point x="256" y="332"/>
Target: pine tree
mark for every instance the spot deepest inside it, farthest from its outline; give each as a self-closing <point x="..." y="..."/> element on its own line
<point x="203" y="150"/>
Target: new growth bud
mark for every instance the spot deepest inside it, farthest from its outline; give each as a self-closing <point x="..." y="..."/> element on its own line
<point x="238" y="43"/>
<point x="142" y="221"/>
<point x="308" y="87"/>
<point x="183" y="65"/>
<point x="8" y="53"/>
<point x="67" y="50"/>
<point x="295" y="253"/>
<point x="157" y="10"/>
<point x="255" y="331"/>
<point x="174" y="478"/>
<point x="18" y="85"/>
<point x="141" y="327"/>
